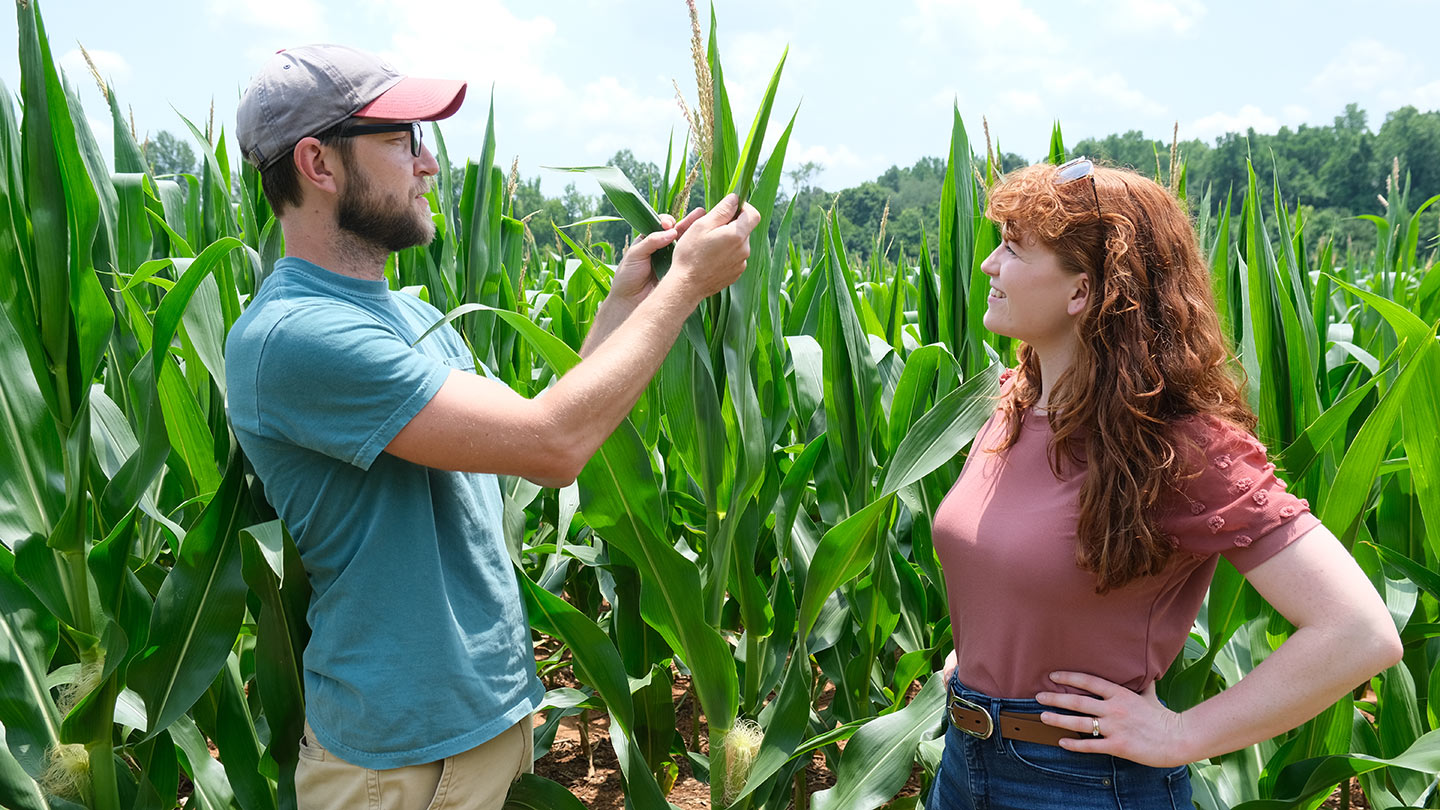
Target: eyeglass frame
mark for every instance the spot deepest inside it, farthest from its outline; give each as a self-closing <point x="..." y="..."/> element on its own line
<point x="351" y="129"/>
<point x="1078" y="169"/>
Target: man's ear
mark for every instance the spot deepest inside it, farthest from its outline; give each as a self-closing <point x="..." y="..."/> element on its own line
<point x="317" y="164"/>
<point x="1080" y="296"/>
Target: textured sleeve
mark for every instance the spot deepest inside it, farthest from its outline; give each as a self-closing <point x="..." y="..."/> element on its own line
<point x="342" y="384"/>
<point x="1235" y="506"/>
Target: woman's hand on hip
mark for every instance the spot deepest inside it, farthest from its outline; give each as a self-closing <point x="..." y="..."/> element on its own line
<point x="1136" y="727"/>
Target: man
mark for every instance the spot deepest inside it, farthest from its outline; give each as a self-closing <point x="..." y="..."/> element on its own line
<point x="381" y="458"/>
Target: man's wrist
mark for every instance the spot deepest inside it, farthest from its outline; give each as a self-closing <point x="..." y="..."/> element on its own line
<point x="615" y="308"/>
<point x="677" y="282"/>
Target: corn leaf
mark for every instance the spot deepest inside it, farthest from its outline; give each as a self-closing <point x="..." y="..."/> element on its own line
<point x="631" y="204"/>
<point x="878" y="759"/>
<point x="943" y="431"/>
<point x="17" y="789"/>
<point x="1314" y="777"/>
<point x="843" y="553"/>
<point x="744" y="179"/>
<point x="197" y="611"/>
<point x="28" y="638"/>
<point x="531" y="792"/>
<point x="271" y="566"/>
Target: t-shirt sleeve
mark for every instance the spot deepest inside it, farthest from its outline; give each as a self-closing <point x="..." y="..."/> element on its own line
<point x="1235" y="506"/>
<point x="343" y="386"/>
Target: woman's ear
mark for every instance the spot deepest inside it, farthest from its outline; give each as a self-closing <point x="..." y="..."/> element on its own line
<point x="1080" y="295"/>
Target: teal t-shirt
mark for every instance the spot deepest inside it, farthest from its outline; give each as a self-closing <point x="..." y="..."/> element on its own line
<point x="420" y="648"/>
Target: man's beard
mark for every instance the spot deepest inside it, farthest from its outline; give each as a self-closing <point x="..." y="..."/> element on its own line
<point x="379" y="221"/>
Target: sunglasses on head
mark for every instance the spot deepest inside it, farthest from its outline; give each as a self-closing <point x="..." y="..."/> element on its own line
<point x="350" y="129"/>
<point x="1078" y="169"/>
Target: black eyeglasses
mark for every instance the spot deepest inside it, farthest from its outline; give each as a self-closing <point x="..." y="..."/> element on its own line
<point x="1079" y="169"/>
<point x="349" y="129"/>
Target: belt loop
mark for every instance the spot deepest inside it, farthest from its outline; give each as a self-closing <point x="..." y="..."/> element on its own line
<point x="999" y="734"/>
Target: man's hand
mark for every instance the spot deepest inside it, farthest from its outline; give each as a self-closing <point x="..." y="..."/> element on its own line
<point x="712" y="255"/>
<point x="634" y="277"/>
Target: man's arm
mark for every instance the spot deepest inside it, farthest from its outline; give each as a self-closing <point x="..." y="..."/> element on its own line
<point x="479" y="425"/>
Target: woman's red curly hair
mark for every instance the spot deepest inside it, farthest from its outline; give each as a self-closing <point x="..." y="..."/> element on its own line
<point x="1151" y="352"/>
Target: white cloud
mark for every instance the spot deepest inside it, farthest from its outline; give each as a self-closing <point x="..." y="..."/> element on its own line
<point x="1427" y="97"/>
<point x="1178" y="16"/>
<point x="615" y="116"/>
<point x="112" y="66"/>
<point x="829" y="157"/>
<point x="1109" y="90"/>
<point x="1219" y="123"/>
<point x="978" y="20"/>
<point x="293" y="17"/>
<point x="1021" y="103"/>
<point x="841" y="166"/>
<point x="754" y="54"/>
<point x="1361" y="66"/>
<point x="1367" y="67"/>
<point x="480" y="41"/>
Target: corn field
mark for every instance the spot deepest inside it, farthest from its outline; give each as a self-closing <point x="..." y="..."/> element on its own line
<point x="758" y="529"/>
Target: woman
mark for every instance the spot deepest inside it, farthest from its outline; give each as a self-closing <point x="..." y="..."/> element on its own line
<point x="1082" y="534"/>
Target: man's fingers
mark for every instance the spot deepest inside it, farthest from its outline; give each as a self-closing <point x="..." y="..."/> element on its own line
<point x="667" y="222"/>
<point x="724" y="210"/>
<point x="652" y="243"/>
<point x="684" y="225"/>
<point x="748" y="219"/>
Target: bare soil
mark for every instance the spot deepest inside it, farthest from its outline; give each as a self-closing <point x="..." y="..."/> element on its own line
<point x="600" y="787"/>
<point x="1357" y="797"/>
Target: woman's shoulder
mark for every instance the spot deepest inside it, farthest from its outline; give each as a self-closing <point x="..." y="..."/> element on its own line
<point x="1214" y="441"/>
<point x="1228" y="496"/>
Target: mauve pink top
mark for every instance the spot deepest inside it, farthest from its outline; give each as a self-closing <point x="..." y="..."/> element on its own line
<point x="1021" y="607"/>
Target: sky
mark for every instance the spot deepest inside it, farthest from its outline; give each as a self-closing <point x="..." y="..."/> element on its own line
<point x="875" y="84"/>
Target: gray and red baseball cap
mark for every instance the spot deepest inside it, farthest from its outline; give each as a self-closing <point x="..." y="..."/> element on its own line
<point x="304" y="91"/>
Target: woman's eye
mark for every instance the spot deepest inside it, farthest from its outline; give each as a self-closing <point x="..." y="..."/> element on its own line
<point x="1009" y="249"/>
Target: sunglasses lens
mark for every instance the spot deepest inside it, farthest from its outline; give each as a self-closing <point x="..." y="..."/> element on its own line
<point x="1074" y="170"/>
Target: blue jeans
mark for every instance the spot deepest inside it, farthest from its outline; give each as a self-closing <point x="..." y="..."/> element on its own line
<point x="1001" y="774"/>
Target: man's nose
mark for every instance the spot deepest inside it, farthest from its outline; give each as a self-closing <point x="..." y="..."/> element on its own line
<point x="426" y="164"/>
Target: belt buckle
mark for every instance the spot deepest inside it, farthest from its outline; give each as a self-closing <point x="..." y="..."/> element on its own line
<point x="959" y="702"/>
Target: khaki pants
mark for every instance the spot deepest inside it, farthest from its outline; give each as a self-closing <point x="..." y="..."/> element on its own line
<point x="477" y="779"/>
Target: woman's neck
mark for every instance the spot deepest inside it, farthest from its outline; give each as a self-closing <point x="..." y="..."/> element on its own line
<point x="1054" y="361"/>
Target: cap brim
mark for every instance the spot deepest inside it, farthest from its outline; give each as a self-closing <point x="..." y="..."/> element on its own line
<point x="413" y="99"/>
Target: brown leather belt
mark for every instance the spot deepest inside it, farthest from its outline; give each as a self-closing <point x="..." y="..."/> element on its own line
<point x="972" y="718"/>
